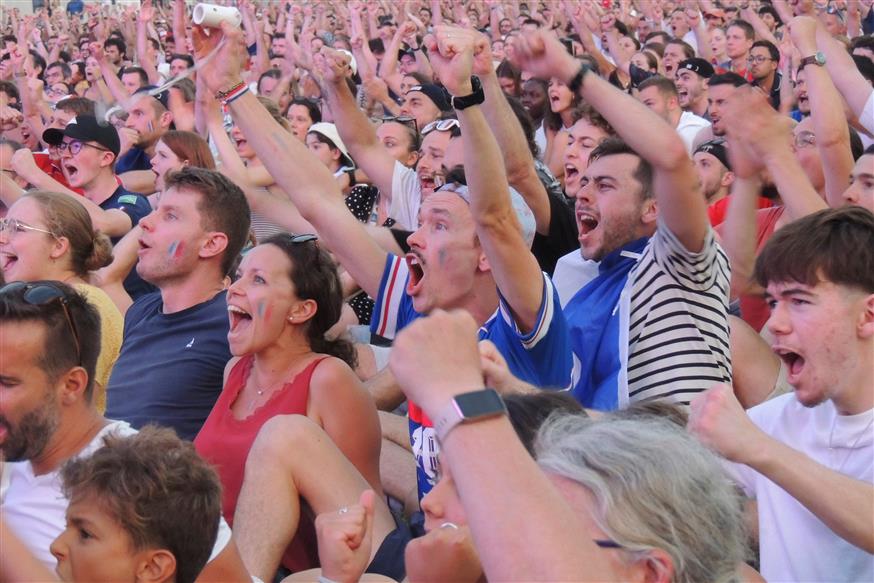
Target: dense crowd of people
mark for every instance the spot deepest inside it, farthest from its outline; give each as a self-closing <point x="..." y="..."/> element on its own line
<point x="437" y="291"/>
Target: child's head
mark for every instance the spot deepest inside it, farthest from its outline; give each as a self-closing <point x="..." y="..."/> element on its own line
<point x="142" y="508"/>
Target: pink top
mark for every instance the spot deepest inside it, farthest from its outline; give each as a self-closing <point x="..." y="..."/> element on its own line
<point x="225" y="441"/>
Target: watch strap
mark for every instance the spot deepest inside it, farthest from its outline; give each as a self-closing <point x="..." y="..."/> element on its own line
<point x="489" y="404"/>
<point x="475" y="98"/>
<point x="577" y="82"/>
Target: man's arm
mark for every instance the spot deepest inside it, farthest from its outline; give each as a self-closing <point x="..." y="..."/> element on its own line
<point x="357" y="132"/>
<point x="112" y="222"/>
<point x="518" y="161"/>
<point x="514" y="268"/>
<point x="844" y="504"/>
<point x="145" y="15"/>
<point x="675" y="182"/>
<point x="846" y="76"/>
<point x="827" y="113"/>
<point x="308" y="182"/>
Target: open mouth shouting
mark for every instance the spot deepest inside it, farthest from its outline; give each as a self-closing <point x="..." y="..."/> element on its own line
<point x="7" y="261"/>
<point x="239" y="320"/>
<point x="416" y="265"/>
<point x="427" y="182"/>
<point x="794" y="363"/>
<point x="572" y="176"/>
<point x="587" y="222"/>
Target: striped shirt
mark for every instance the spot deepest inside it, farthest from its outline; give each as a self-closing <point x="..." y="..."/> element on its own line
<point x="678" y="324"/>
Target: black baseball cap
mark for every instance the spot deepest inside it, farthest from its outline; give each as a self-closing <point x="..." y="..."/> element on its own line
<point x="85" y="128"/>
<point x="717" y="149"/>
<point x="435" y="93"/>
<point x="698" y="66"/>
<point x="163" y="97"/>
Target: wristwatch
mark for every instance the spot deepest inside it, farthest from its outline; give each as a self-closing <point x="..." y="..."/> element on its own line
<point x="475" y="98"/>
<point x="817" y="59"/>
<point x="468" y="408"/>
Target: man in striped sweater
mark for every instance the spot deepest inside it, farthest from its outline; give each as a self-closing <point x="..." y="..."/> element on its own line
<point x="647" y="295"/>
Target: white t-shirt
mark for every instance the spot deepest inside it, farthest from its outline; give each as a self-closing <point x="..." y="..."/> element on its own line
<point x="688" y="127"/>
<point x="406" y="197"/>
<point x="867" y="117"/>
<point x="35" y="508"/>
<point x="794" y="544"/>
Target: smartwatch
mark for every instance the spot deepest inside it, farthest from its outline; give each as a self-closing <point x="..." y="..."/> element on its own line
<point x="468" y="408"/>
<point x="817" y="59"/>
<point x="475" y="98"/>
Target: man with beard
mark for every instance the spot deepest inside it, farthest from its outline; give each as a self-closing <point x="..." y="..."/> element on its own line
<point x="807" y="457"/>
<point x="50" y="340"/>
<point x="764" y="62"/>
<point x="659" y="269"/>
<point x="691" y="81"/>
<point x="720" y="88"/>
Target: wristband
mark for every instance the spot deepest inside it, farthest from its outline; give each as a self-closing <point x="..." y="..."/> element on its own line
<point x="232" y="93"/>
<point x="577" y="82"/>
<point x="475" y="98"/>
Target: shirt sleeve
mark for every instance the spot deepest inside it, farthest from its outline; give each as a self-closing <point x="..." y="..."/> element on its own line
<point x="867" y="117"/>
<point x="134" y="206"/>
<point x="393" y="308"/>
<point x="405" y="197"/>
<point x="700" y="271"/>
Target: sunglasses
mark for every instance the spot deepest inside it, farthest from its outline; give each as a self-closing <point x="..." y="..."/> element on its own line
<point x="305" y="238"/>
<point x="441" y="125"/>
<point x="43" y="294"/>
<point x="402" y="119"/>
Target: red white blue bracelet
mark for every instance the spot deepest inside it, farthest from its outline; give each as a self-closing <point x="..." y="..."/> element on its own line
<point x="235" y="92"/>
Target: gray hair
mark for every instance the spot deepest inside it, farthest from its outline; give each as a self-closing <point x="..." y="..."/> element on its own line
<point x="654" y="487"/>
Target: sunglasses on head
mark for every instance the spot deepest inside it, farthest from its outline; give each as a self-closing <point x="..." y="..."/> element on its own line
<point x="406" y="120"/>
<point x="441" y="125"/>
<point x="43" y="294"/>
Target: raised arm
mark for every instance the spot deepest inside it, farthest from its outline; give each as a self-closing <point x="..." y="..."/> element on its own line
<point x="357" y="132"/>
<point x="308" y="182"/>
<point x="681" y="205"/>
<point x="518" y="161"/>
<point x="113" y="222"/>
<point x="846" y="76"/>
<point x="827" y="112"/>
<point x="144" y="17"/>
<point x="513" y="266"/>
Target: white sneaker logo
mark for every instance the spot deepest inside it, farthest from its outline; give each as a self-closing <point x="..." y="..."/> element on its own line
<point x="190" y="344"/>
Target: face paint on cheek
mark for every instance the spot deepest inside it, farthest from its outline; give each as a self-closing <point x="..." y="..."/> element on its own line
<point x="442" y="257"/>
<point x="263" y="310"/>
<point x="172" y="249"/>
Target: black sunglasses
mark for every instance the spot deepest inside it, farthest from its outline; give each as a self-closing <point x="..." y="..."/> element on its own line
<point x="42" y="294"/>
<point x="305" y="238"/>
<point x="402" y="119"/>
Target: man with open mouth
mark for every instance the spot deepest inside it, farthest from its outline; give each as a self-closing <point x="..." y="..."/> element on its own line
<point x="88" y="151"/>
<point x="807" y="457"/>
<point x="649" y="264"/>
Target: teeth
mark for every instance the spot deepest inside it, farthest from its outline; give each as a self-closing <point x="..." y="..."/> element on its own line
<point x="414" y="261"/>
<point x="237" y="310"/>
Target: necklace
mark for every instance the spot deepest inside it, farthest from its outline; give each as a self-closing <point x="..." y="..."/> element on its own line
<point x="859" y="437"/>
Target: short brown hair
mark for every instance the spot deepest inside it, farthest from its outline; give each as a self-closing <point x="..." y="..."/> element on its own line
<point x="222" y="207"/>
<point x="77" y="105"/>
<point x="161" y="492"/>
<point x="835" y="245"/>
<point x="614" y="146"/>
<point x="665" y="86"/>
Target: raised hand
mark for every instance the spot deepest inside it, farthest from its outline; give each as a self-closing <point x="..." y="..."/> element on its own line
<point x="719" y="422"/>
<point x="332" y="65"/>
<point x="346" y="539"/>
<point x="225" y="68"/>
<point x="435" y="358"/>
<point x="450" y="50"/>
<point x="542" y="54"/>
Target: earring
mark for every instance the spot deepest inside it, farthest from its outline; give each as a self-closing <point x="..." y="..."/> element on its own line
<point x="291" y="319"/>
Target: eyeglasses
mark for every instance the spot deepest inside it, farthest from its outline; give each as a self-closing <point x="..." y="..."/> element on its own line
<point x="76" y="147"/>
<point x="403" y="119"/>
<point x="804" y="140"/>
<point x="759" y="59"/>
<point x="57" y="91"/>
<point x="12" y="226"/>
<point x="441" y="125"/>
<point x="43" y="294"/>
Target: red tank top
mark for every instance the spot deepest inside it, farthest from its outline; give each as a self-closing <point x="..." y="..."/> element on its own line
<point x="225" y="441"/>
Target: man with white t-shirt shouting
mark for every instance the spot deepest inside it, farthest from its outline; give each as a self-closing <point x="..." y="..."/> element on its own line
<point x="50" y="340"/>
<point x="807" y="457"/>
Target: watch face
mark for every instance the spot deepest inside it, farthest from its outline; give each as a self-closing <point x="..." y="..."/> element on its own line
<point x="479" y="403"/>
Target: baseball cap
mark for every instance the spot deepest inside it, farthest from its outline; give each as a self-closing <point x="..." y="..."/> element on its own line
<point x="329" y="130"/>
<point x="85" y="128"/>
<point x="697" y="65"/>
<point x="433" y="92"/>
<point x="717" y="149"/>
<point x="353" y="64"/>
<point x="163" y="97"/>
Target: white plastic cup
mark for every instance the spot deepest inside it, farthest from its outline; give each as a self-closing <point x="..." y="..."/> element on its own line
<point x="212" y="16"/>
